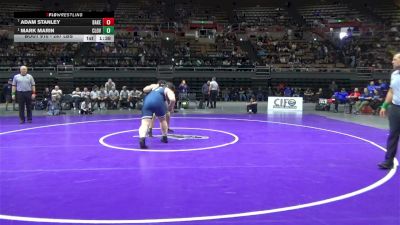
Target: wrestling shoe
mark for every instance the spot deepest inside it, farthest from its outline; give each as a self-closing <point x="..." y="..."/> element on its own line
<point x="150" y="132"/>
<point x="386" y="165"/>
<point x="164" y="139"/>
<point x="142" y="143"/>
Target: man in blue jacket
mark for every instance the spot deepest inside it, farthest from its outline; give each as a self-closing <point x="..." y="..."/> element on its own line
<point x="340" y="98"/>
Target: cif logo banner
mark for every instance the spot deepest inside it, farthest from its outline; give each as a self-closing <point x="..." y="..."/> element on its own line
<point x="285" y="103"/>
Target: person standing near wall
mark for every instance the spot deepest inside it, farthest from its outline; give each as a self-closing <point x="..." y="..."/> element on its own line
<point x="7" y="94"/>
<point x="213" y="91"/>
<point x="205" y="90"/>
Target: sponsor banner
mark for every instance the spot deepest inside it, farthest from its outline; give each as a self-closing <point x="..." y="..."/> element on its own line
<point x="285" y="104"/>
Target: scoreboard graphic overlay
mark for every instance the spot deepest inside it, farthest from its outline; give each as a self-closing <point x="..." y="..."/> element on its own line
<point x="64" y="27"/>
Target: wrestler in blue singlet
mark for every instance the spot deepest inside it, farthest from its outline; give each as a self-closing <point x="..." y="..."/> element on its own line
<point x="154" y="102"/>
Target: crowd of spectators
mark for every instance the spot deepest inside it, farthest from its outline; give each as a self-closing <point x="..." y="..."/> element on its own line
<point x="370" y="50"/>
<point x="37" y="55"/>
<point x="370" y="99"/>
<point x="148" y="52"/>
<point x="254" y="36"/>
<point x="87" y="100"/>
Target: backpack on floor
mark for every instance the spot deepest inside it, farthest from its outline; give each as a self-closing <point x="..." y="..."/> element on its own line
<point x="322" y="107"/>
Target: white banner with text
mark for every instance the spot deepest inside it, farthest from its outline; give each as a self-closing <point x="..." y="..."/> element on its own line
<point x="285" y="104"/>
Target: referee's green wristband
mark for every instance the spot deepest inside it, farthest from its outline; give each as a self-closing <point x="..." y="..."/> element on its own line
<point x="385" y="105"/>
<point x="13" y="93"/>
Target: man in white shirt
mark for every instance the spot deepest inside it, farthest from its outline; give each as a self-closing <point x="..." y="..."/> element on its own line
<point x="94" y="96"/>
<point x="55" y="104"/>
<point x="85" y="93"/>
<point x="113" y="96"/>
<point x="109" y="85"/>
<point x="124" y="98"/>
<point x="213" y="92"/>
<point x="103" y="98"/>
<point x="76" y="98"/>
<point x="23" y="88"/>
<point x="56" y="94"/>
<point x="134" y="97"/>
<point x="393" y="99"/>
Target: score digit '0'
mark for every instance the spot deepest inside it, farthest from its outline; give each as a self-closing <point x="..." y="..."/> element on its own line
<point x="108" y="21"/>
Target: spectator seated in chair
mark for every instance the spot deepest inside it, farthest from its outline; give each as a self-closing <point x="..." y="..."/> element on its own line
<point x="364" y="100"/>
<point x="134" y="97"/>
<point x="308" y="95"/>
<point x="251" y="106"/>
<point x="76" y="98"/>
<point x="55" y="103"/>
<point x="113" y="96"/>
<point x="225" y="94"/>
<point x="124" y="98"/>
<point x="94" y="97"/>
<point x="102" y="98"/>
<point x="340" y="98"/>
<point x="260" y="95"/>
<point x="46" y="98"/>
<point x="85" y="94"/>
<point x="56" y="94"/>
<point x="288" y="92"/>
<point x="372" y="87"/>
<point x="383" y="88"/>
<point x="376" y="102"/>
<point x="242" y="95"/>
<point x="353" y="98"/>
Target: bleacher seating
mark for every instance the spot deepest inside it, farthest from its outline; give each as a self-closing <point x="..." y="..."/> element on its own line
<point x="316" y="14"/>
<point x="255" y="35"/>
<point x="389" y="12"/>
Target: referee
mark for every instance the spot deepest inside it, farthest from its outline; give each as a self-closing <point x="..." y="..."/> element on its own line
<point x="213" y="92"/>
<point x="23" y="86"/>
<point x="392" y="97"/>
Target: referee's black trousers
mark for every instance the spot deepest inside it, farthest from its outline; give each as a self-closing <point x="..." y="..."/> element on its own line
<point x="24" y="100"/>
<point x="213" y="96"/>
<point x="393" y="139"/>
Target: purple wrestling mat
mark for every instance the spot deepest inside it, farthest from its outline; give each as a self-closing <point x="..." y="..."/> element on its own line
<point x="216" y="169"/>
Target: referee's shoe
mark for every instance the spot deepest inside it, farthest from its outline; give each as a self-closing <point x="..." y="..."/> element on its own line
<point x="386" y="165"/>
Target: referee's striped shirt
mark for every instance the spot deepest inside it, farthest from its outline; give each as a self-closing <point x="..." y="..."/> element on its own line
<point x="23" y="82"/>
